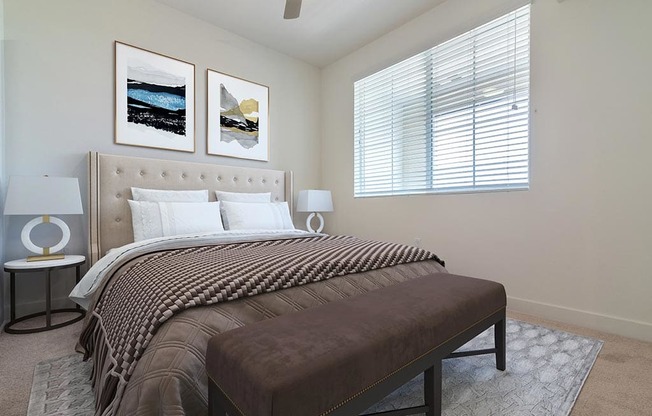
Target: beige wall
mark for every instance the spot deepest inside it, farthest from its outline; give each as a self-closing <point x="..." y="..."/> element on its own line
<point x="2" y="151"/>
<point x="59" y="77"/>
<point x="576" y="246"/>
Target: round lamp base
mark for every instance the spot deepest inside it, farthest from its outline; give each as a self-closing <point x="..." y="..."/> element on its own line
<point x="309" y="220"/>
<point x="45" y="251"/>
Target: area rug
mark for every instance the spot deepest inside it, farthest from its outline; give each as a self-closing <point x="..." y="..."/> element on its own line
<point x="545" y="372"/>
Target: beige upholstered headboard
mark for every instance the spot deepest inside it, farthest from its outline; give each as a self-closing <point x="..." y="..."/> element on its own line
<point x="111" y="178"/>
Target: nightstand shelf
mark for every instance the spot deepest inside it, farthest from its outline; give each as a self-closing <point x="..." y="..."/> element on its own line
<point x="47" y="266"/>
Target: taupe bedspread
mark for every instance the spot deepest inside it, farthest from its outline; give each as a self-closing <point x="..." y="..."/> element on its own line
<point x="168" y="377"/>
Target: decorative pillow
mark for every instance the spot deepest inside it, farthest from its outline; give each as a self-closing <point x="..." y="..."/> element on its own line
<point x="257" y="216"/>
<point x="163" y="219"/>
<point x="162" y="195"/>
<point x="243" y="196"/>
<point x="145" y="219"/>
<point x="240" y="197"/>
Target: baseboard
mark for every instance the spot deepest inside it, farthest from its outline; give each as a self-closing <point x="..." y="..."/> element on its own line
<point x="611" y="324"/>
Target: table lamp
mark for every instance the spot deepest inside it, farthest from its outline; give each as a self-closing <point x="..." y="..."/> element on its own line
<point x="315" y="201"/>
<point x="43" y="196"/>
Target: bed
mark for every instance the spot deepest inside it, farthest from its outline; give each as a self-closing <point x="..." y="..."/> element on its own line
<point x="160" y="368"/>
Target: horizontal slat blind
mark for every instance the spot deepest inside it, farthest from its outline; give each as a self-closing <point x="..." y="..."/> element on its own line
<point x="452" y="118"/>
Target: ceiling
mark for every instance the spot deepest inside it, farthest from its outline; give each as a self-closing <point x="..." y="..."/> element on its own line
<point x="326" y="31"/>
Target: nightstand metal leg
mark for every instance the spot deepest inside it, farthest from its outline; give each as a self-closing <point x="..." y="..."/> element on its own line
<point x="48" y="290"/>
<point x="15" y="267"/>
<point x="12" y="284"/>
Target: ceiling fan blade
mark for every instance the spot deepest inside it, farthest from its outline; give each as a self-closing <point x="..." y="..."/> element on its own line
<point x="292" y="9"/>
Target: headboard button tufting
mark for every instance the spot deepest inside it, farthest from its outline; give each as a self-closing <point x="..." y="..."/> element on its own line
<point x="118" y="171"/>
<point x="118" y="195"/>
<point x="201" y="177"/>
<point x="235" y="179"/>
<point x="117" y="220"/>
<point x="142" y="173"/>
<point x="183" y="176"/>
<point x="163" y="174"/>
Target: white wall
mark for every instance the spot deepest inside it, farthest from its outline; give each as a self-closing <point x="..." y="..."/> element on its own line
<point x="2" y="153"/>
<point x="575" y="247"/>
<point x="59" y="78"/>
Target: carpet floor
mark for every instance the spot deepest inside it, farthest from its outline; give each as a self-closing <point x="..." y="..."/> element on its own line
<point x="546" y="370"/>
<point x="619" y="383"/>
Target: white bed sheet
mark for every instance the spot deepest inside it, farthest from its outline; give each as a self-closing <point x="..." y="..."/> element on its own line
<point x="83" y="293"/>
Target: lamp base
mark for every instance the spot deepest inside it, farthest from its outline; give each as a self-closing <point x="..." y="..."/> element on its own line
<point x="45" y="253"/>
<point x="45" y="258"/>
<point x="309" y="221"/>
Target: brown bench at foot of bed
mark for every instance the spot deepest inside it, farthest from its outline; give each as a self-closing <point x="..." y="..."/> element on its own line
<point x="342" y="357"/>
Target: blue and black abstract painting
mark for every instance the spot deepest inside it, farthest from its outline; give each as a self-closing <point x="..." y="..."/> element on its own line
<point x="156" y="99"/>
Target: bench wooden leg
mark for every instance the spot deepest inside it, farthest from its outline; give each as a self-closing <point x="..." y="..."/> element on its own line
<point x="214" y="406"/>
<point x="500" y="340"/>
<point x="432" y="389"/>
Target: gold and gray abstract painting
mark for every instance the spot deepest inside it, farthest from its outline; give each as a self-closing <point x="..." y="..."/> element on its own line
<point x="238" y="120"/>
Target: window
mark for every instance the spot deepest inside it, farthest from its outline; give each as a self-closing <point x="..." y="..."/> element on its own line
<point x="451" y="119"/>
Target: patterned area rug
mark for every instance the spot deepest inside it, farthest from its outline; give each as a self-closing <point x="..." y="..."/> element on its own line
<point x="546" y="369"/>
<point x="62" y="387"/>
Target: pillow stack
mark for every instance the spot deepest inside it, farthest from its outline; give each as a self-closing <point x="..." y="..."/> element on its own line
<point x="253" y="211"/>
<point x="161" y="213"/>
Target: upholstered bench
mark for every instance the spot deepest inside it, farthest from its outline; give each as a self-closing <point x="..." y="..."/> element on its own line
<point x="342" y="357"/>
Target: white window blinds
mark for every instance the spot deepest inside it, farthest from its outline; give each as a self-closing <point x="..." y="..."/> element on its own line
<point x="451" y="119"/>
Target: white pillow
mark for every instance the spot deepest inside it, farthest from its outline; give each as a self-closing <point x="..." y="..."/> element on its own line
<point x="257" y="216"/>
<point x="162" y="195"/>
<point x="145" y="219"/>
<point x="163" y="219"/>
<point x="243" y="196"/>
<point x="240" y="197"/>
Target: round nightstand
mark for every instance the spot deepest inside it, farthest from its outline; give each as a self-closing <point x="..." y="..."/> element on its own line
<point x="23" y="266"/>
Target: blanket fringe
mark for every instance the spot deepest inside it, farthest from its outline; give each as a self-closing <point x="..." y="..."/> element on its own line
<point x="108" y="388"/>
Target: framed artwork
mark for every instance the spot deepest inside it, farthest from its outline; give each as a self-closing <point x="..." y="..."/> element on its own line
<point x="154" y="100"/>
<point x="238" y="117"/>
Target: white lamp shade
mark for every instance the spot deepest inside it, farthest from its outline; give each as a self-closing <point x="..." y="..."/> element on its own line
<point x="313" y="200"/>
<point x="43" y="195"/>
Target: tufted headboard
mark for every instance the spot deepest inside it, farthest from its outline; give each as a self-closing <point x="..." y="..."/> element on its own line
<point x="111" y="178"/>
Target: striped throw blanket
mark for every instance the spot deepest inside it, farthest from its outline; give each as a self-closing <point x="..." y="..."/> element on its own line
<point x="152" y="289"/>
